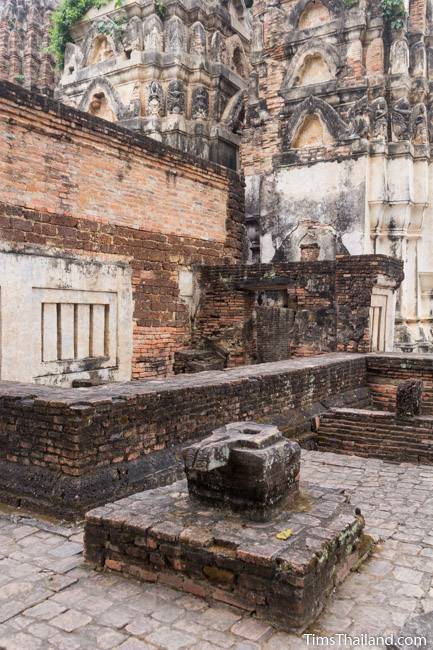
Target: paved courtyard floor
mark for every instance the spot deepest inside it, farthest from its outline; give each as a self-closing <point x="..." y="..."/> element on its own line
<point x="50" y="600"/>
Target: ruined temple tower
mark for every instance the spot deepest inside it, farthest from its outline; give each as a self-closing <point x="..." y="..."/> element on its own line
<point x="337" y="146"/>
<point x="24" y="42"/>
<point x="174" y="70"/>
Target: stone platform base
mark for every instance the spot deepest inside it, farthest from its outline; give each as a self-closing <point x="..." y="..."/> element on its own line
<point x="163" y="536"/>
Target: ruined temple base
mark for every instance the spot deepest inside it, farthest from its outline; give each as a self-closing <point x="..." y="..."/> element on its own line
<point x="163" y="536"/>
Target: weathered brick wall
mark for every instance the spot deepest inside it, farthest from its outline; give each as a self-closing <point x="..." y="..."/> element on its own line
<point x="68" y="450"/>
<point x="249" y="333"/>
<point x="327" y="307"/>
<point x="76" y="183"/>
<point x="355" y="278"/>
<point x="385" y="372"/>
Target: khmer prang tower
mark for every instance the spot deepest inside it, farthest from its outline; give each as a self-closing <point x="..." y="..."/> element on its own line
<point x="337" y="147"/>
<point x="176" y="71"/>
<point x="24" y="42"/>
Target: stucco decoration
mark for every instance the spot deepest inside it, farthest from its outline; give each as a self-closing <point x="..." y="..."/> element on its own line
<point x="400" y="120"/>
<point x="99" y="89"/>
<point x="100" y="46"/>
<point x="359" y="118"/>
<point x="314" y="106"/>
<point x="198" y="40"/>
<point x="175" y="97"/>
<point x="200" y="103"/>
<point x="399" y="57"/>
<point x="218" y="48"/>
<point x="418" y="59"/>
<point x="335" y="8"/>
<point x="311" y="51"/>
<point x="155" y="99"/>
<point x="153" y="34"/>
<point x="418" y="124"/>
<point x="132" y="38"/>
<point x="234" y="112"/>
<point x="175" y="36"/>
<point x="379" y="118"/>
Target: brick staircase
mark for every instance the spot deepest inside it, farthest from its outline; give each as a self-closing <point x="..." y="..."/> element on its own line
<point x="376" y="434"/>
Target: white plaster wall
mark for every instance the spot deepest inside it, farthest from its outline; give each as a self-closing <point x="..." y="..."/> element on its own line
<point x="326" y="199"/>
<point x="28" y="279"/>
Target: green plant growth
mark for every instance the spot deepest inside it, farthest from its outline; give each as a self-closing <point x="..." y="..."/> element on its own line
<point x="394" y="13"/>
<point x="64" y="17"/>
<point x="160" y="9"/>
<point x="350" y="3"/>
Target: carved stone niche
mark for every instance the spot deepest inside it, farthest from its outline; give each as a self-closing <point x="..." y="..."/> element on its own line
<point x="409" y="397"/>
<point x="198" y="40"/>
<point x="244" y="466"/>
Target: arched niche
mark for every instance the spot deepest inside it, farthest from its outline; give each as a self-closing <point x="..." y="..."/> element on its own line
<point x="238" y="60"/>
<point x="308" y="14"/>
<point x="198" y="40"/>
<point x="314" y="70"/>
<point x="314" y="123"/>
<point x="312" y="63"/>
<point x="175" y="36"/>
<point x="312" y="132"/>
<point x="314" y="15"/>
<point x="153" y="34"/>
<point x="218" y="48"/>
<point x="102" y="100"/>
<point x="102" y="49"/>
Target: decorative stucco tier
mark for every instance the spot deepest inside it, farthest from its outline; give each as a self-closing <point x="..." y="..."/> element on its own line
<point x="337" y="146"/>
<point x="176" y="71"/>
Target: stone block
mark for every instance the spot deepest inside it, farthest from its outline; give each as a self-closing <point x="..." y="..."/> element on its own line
<point x="246" y="466"/>
<point x="409" y="396"/>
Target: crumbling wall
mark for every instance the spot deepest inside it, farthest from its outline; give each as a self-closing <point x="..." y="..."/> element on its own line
<point x="267" y="312"/>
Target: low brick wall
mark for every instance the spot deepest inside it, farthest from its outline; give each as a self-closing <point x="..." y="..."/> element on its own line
<point x="386" y="371"/>
<point x="64" y="450"/>
<point x="377" y="434"/>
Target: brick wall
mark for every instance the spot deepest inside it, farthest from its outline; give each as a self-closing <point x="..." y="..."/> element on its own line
<point x="72" y="182"/>
<point x="327" y="307"/>
<point x="64" y="450"/>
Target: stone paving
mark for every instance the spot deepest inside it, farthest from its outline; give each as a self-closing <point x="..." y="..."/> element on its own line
<point x="50" y="600"/>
